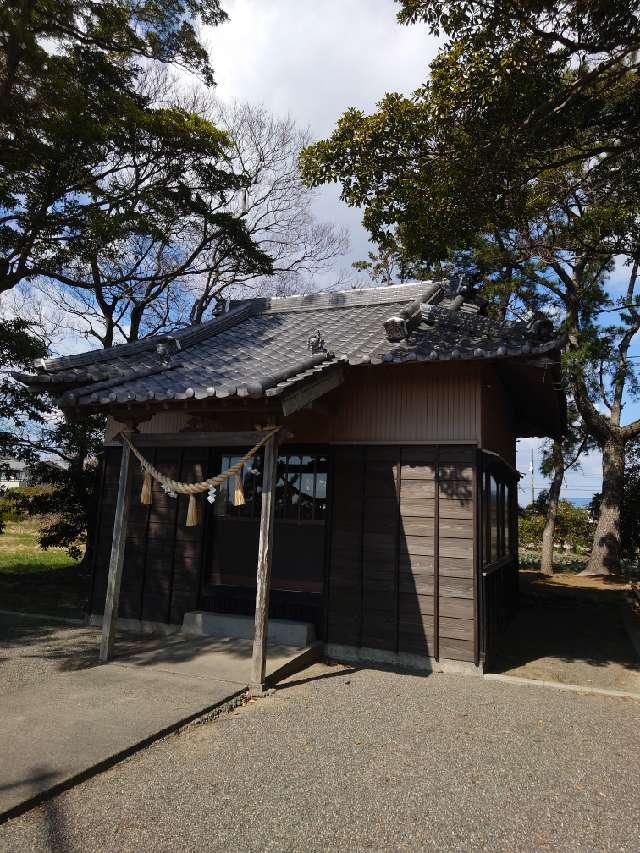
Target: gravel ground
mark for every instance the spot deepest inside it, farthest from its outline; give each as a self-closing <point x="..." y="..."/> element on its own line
<point x="33" y="650"/>
<point x="360" y="760"/>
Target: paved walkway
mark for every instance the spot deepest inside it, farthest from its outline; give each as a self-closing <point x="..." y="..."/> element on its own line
<point x="368" y="760"/>
<point x="62" y="714"/>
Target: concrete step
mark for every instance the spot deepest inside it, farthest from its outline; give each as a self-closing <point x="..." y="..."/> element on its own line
<point x="203" y="623"/>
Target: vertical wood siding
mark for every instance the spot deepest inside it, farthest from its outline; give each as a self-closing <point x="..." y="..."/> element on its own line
<point x="161" y="573"/>
<point x="388" y="585"/>
<point x="390" y="404"/>
<point x="412" y="403"/>
<point x="456" y="553"/>
<point x="498" y="432"/>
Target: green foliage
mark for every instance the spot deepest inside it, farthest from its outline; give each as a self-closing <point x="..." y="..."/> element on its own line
<point x="518" y="103"/>
<point x="574" y="528"/>
<point x="12" y="502"/>
<point x="64" y="482"/>
<point x="530" y="527"/>
<point x="108" y="186"/>
<point x="93" y="157"/>
<point x="391" y="263"/>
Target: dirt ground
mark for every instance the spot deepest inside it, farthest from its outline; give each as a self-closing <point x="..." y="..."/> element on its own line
<point x="571" y="630"/>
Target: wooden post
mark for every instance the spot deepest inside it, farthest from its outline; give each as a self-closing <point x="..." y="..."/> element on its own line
<point x="265" y="550"/>
<point x="110" y="616"/>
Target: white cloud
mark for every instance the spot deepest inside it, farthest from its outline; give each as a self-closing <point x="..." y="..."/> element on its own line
<point x="312" y="61"/>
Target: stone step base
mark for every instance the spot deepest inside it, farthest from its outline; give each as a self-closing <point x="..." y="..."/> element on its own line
<point x="203" y="623"/>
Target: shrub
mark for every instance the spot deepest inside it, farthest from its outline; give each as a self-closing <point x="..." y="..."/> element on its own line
<point x="574" y="527"/>
<point x="12" y="506"/>
<point x="530" y="527"/>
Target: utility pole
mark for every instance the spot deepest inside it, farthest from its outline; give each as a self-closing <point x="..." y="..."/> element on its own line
<point x="533" y="493"/>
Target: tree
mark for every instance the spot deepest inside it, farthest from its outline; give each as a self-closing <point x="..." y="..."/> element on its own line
<point x="630" y="516"/>
<point x="134" y="285"/>
<point x="559" y="456"/>
<point x="88" y="157"/>
<point x="62" y="455"/>
<point x="19" y="346"/>
<point x="391" y="263"/>
<point x="545" y="131"/>
<point x="59" y="454"/>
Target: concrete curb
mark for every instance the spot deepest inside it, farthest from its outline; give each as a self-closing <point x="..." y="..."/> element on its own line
<point x="369" y="657"/>
<point x="203" y="716"/>
<point x="45" y="617"/>
<point x="557" y="685"/>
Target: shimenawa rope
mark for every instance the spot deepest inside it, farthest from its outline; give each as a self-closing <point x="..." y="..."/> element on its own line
<point x="175" y="487"/>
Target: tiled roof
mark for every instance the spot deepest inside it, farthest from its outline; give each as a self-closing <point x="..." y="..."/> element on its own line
<point x="262" y="346"/>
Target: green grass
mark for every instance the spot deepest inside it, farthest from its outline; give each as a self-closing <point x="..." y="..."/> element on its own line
<point x="37" y="581"/>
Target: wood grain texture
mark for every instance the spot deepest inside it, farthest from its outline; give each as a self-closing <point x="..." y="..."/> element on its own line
<point x="112" y="600"/>
<point x="265" y="552"/>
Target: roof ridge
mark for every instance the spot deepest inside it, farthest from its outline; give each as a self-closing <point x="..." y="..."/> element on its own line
<point x="327" y="299"/>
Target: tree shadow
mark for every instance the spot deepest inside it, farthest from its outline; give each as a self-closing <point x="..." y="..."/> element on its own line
<point x="386" y="582"/>
<point x="567" y="629"/>
<point x="50" y="815"/>
<point x="60" y="591"/>
<point x="68" y="647"/>
<point x="336" y="672"/>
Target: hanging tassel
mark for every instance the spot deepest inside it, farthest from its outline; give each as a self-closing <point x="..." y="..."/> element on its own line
<point x="147" y="484"/>
<point x="238" y="492"/>
<point x="193" y="512"/>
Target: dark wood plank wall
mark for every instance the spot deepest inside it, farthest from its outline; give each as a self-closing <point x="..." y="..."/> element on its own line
<point x="105" y="516"/>
<point x="401" y="550"/>
<point x="456" y="553"/>
<point x="162" y="562"/>
<point x="401" y="556"/>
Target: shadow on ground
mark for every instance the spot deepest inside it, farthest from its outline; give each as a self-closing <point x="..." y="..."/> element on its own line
<point x="31" y="647"/>
<point x="61" y="591"/>
<point x="571" y="636"/>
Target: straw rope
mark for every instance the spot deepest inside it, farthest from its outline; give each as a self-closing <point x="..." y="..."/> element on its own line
<point x="204" y="485"/>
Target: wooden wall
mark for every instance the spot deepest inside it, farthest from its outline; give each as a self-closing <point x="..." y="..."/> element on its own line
<point x="402" y="551"/>
<point x="408" y="403"/>
<point x="498" y="433"/>
<point x="162" y="560"/>
<point x="392" y="404"/>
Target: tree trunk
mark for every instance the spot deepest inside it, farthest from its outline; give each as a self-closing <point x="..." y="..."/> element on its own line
<point x="605" y="553"/>
<point x="548" y="534"/>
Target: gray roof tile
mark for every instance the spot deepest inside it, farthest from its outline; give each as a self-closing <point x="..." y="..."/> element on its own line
<point x="261" y="347"/>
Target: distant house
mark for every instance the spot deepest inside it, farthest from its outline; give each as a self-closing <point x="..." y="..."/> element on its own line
<point x="391" y="484"/>
<point x="13" y="473"/>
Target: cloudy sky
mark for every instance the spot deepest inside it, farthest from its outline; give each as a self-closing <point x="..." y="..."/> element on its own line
<point x="312" y="60"/>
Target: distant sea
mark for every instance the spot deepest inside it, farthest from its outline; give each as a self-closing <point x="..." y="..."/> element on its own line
<point x="579" y="501"/>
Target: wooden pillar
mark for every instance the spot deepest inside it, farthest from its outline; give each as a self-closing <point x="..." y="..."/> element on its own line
<point x="110" y="616"/>
<point x="265" y="550"/>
